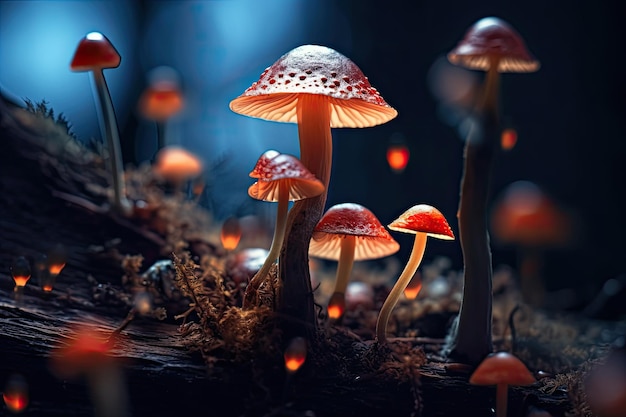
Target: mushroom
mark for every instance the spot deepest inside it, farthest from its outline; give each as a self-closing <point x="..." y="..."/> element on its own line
<point x="161" y="100"/>
<point x="177" y="165"/>
<point x="318" y="88"/>
<point x="346" y="233"/>
<point x="281" y="178"/>
<point x="526" y="217"/>
<point x="423" y="221"/>
<point x="95" y="53"/>
<point x="230" y="234"/>
<point x="494" y="46"/>
<point x="88" y="354"/>
<point x="502" y="369"/>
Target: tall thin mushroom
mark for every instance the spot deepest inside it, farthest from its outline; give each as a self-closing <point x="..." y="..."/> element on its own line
<point x="493" y="46"/>
<point x="318" y="88"/>
<point x="423" y="221"/>
<point x="281" y="178"/>
<point x="95" y="53"/>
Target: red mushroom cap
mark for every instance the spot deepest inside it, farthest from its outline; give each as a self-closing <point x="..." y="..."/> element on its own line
<point x="314" y="69"/>
<point x="525" y="215"/>
<point x="161" y="101"/>
<point x="492" y="38"/>
<point x="423" y="218"/>
<point x="349" y="219"/>
<point x="95" y="52"/>
<point x="282" y="167"/>
<point x="502" y="368"/>
<point x="88" y="350"/>
<point x="263" y="161"/>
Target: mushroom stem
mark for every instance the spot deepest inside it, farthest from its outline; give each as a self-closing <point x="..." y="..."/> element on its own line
<point x="346" y="260"/>
<point x="296" y="295"/>
<point x="110" y="131"/>
<point x="417" y="253"/>
<point x="277" y="242"/>
<point x="501" y="399"/>
<point x="160" y="127"/>
<point x="470" y="338"/>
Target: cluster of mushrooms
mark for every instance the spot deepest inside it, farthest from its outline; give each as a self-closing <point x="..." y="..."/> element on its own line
<point x="319" y="88"/>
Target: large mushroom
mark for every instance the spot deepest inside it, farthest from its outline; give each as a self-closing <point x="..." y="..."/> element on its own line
<point x="318" y="88"/>
<point x="95" y="53"/>
<point x="493" y="46"/>
<point x="281" y="178"/>
<point x="346" y="233"/>
<point x="423" y="221"/>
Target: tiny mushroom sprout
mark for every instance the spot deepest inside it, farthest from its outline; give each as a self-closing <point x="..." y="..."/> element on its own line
<point x="490" y="45"/>
<point x="423" y="221"/>
<point x="349" y="232"/>
<point x="95" y="53"/>
<point x="280" y="178"/>
<point x="502" y="369"/>
<point x="318" y="88"/>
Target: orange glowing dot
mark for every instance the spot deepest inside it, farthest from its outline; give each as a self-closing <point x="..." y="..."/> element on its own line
<point x="414" y="287"/>
<point x="295" y="354"/>
<point x="508" y="139"/>
<point x="336" y="306"/>
<point x="20" y="270"/>
<point x="15" y="395"/>
<point x="161" y="101"/>
<point x="398" y="157"/>
<point x="47" y="287"/>
<point x="56" y="259"/>
<point x="231" y="233"/>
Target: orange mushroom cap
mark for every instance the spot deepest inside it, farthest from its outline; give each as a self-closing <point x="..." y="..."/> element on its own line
<point x="177" y="164"/>
<point x="525" y="215"/>
<point x="161" y="101"/>
<point x="95" y="52"/>
<point x="502" y="368"/>
<point x="491" y="39"/>
<point x="270" y="172"/>
<point x="423" y="218"/>
<point x="373" y="240"/>
<point x="87" y="350"/>
<point x="314" y="69"/>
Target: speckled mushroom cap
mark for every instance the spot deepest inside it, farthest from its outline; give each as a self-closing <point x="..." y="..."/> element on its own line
<point x="94" y="51"/>
<point x="314" y="69"/>
<point x="349" y="219"/>
<point x="502" y="368"/>
<point x="423" y="218"/>
<point x="282" y="167"/>
<point x="490" y="38"/>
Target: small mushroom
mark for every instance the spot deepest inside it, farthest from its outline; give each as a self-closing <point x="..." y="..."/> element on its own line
<point x="88" y="354"/>
<point x="95" y="53"/>
<point x="281" y="178"/>
<point x="346" y="233"/>
<point x="161" y="100"/>
<point x="177" y="165"/>
<point x="423" y="221"/>
<point x="502" y="369"/>
<point x="318" y="88"/>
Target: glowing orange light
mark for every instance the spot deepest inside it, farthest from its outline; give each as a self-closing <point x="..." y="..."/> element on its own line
<point x="508" y="139"/>
<point x="15" y="395"/>
<point x="143" y="302"/>
<point x="161" y="101"/>
<point x="414" y="287"/>
<point x="295" y="354"/>
<point x="197" y="187"/>
<point x="398" y="157"/>
<point x="231" y="233"/>
<point x="336" y="306"/>
<point x="57" y="256"/>
<point x="20" y="270"/>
